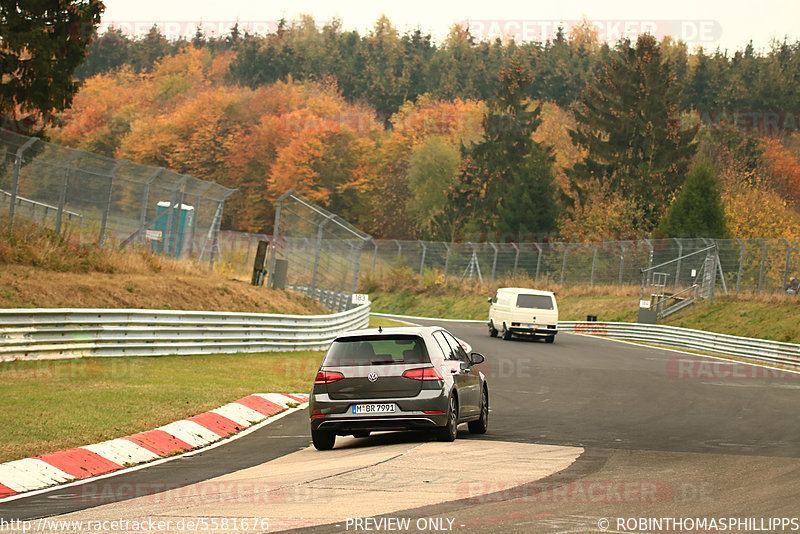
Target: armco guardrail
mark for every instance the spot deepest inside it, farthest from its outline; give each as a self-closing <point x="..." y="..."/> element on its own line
<point x="74" y="333"/>
<point x="762" y="350"/>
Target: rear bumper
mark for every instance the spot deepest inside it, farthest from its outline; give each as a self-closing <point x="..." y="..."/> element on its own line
<point x="521" y="331"/>
<point x="337" y="415"/>
<point x="376" y="424"/>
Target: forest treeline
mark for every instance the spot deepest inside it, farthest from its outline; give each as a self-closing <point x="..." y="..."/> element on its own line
<point x="408" y="138"/>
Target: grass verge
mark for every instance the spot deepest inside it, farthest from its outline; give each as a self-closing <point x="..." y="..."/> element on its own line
<point x="57" y="404"/>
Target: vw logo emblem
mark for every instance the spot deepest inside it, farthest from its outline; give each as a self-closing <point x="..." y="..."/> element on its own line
<point x="372" y="377"/>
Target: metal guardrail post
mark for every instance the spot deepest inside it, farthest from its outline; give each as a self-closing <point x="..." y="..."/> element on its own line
<point x="273" y="247"/>
<point x="763" y="263"/>
<point x="494" y="260"/>
<point x="422" y="261"/>
<point x="786" y="266"/>
<point x="215" y="226"/>
<point x="107" y="211"/>
<point x="516" y="258"/>
<point x="741" y="265"/>
<point x="594" y="264"/>
<point x="538" y="261"/>
<point x="649" y="258"/>
<point x="15" y="184"/>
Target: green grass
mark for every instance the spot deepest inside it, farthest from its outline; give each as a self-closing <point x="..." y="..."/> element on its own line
<point x="52" y="405"/>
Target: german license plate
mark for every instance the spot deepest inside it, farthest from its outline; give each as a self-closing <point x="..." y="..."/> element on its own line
<point x="373" y="408"/>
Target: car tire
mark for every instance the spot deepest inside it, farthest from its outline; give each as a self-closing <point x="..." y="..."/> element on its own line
<point x="506" y="333"/>
<point x="492" y="330"/>
<point x="361" y="434"/>
<point x="323" y="441"/>
<point x="450" y="430"/>
<point x="479" y="426"/>
<point x="549" y="339"/>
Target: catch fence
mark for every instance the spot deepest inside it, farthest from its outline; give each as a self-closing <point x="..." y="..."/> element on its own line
<point x="110" y="202"/>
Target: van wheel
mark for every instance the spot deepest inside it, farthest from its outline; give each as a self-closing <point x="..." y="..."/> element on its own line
<point x="506" y="333"/>
<point x="492" y="330"/>
<point x="549" y="339"/>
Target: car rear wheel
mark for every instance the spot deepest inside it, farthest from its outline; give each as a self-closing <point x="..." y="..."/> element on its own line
<point x="492" y="330"/>
<point x="323" y="441"/>
<point x="479" y="426"/>
<point x="549" y="339"/>
<point x="449" y="431"/>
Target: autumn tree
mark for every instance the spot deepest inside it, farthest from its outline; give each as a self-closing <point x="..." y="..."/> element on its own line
<point x="629" y="123"/>
<point x="432" y="167"/>
<point x="42" y="42"/>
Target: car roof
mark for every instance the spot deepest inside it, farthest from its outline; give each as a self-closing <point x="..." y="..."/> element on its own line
<point x="526" y="290"/>
<point x="392" y="330"/>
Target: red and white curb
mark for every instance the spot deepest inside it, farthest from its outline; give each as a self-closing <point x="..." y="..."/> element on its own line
<point x="89" y="461"/>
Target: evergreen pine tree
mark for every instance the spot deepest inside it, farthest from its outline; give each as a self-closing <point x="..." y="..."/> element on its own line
<point x="629" y="123"/>
<point x="697" y="211"/>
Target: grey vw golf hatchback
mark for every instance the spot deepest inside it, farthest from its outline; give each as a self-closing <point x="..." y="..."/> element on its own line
<point x="404" y="378"/>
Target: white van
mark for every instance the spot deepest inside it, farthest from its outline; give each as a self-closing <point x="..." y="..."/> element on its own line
<point x="524" y="312"/>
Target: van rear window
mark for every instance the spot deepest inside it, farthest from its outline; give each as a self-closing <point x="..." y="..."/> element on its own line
<point x="377" y="350"/>
<point x="540" y="302"/>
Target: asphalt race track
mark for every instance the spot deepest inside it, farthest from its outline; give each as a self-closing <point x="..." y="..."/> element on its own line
<point x="630" y="431"/>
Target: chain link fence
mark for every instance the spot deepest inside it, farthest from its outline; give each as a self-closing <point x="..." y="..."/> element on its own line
<point x="322" y="251"/>
<point x="107" y="201"/>
<point x="748" y="265"/>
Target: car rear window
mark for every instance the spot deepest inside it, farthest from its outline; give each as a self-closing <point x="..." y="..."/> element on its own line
<point x="377" y="350"/>
<point x="541" y="302"/>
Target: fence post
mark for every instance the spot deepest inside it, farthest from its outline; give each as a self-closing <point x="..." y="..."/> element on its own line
<point x="763" y="262"/>
<point x="107" y="211"/>
<point x="273" y="248"/>
<point x="741" y="265"/>
<point x="145" y="200"/>
<point x="196" y="217"/>
<point x="786" y="267"/>
<point x="170" y="214"/>
<point x="399" y="248"/>
<point x="516" y="258"/>
<point x="422" y="261"/>
<point x="62" y="196"/>
<point x="374" y="255"/>
<point x="649" y="258"/>
<point x="678" y="266"/>
<point x="621" y="262"/>
<point x="320" y="228"/>
<point x="594" y="263"/>
<point x="538" y="261"/>
<point x="356" y="266"/>
<point x="15" y="184"/>
<point x="215" y="226"/>
<point x="494" y="261"/>
<point x="446" y="258"/>
<point x="564" y="262"/>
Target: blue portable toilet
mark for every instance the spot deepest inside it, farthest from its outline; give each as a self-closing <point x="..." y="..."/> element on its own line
<point x="181" y="222"/>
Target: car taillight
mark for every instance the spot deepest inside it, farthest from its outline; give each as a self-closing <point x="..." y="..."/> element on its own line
<point x="514" y="324"/>
<point x="326" y="377"/>
<point x="422" y="373"/>
<point x="317" y="413"/>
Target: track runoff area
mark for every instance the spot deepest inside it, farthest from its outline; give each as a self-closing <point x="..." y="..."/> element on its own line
<point x="585" y="435"/>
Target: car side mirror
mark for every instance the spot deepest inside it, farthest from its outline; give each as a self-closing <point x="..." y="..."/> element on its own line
<point x="490" y="300"/>
<point x="476" y="358"/>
